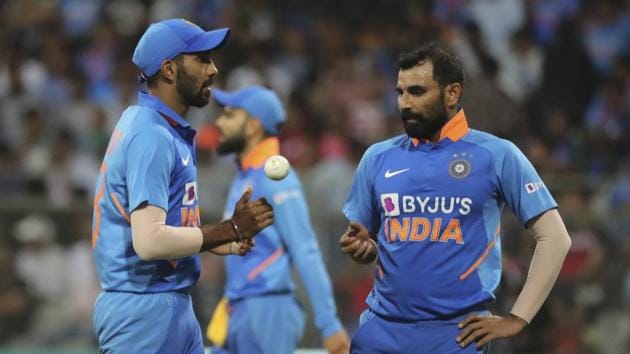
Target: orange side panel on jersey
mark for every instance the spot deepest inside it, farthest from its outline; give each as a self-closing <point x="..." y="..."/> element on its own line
<point x="97" y="209"/>
<point x="380" y="271"/>
<point x="264" y="264"/>
<point x="478" y="262"/>
<point x="119" y="206"/>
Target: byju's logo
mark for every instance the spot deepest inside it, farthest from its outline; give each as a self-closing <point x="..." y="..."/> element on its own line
<point x="532" y="187"/>
<point x="389" y="201"/>
<point x="190" y="193"/>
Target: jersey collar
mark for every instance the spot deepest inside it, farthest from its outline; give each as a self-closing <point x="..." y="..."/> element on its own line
<point x="261" y="152"/>
<point x="146" y="100"/>
<point x="454" y="129"/>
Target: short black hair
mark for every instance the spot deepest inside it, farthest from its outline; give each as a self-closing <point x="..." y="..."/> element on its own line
<point x="447" y="68"/>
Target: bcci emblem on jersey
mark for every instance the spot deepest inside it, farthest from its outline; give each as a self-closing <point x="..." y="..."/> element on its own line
<point x="459" y="168"/>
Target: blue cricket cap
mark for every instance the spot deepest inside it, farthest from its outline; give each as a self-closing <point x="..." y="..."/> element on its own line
<point x="166" y="39"/>
<point x="259" y="102"/>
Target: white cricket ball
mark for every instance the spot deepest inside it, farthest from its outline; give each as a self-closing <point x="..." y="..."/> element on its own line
<point x="277" y="167"/>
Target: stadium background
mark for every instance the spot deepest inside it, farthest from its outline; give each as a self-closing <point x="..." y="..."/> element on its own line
<point x="552" y="75"/>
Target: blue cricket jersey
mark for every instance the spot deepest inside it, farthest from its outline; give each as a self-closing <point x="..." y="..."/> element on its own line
<point x="436" y="209"/>
<point x="150" y="158"/>
<point x="289" y="241"/>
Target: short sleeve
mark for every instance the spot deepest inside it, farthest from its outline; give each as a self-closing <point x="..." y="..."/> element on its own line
<point x="521" y="186"/>
<point x="360" y="205"/>
<point x="149" y="162"/>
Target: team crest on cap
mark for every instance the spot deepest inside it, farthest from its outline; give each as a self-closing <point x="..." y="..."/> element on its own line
<point x="459" y="167"/>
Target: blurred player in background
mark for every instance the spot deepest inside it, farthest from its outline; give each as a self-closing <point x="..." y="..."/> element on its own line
<point x="429" y="203"/>
<point x="264" y="315"/>
<point x="146" y="227"/>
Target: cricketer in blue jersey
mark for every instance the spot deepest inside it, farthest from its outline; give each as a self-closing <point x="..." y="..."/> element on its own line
<point x="427" y="206"/>
<point x="147" y="232"/>
<point x="264" y="315"/>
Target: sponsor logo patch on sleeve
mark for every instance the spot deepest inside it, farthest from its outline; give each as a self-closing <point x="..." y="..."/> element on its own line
<point x="532" y="187"/>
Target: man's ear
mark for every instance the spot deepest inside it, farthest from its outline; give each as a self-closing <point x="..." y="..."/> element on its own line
<point x="452" y="94"/>
<point x="168" y="71"/>
<point x="253" y="127"/>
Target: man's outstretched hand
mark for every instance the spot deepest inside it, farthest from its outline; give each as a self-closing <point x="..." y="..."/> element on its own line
<point x="357" y="243"/>
<point x="251" y="217"/>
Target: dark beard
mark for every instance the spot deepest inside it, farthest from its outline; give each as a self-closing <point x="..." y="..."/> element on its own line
<point x="424" y="127"/>
<point x="185" y="85"/>
<point x="235" y="144"/>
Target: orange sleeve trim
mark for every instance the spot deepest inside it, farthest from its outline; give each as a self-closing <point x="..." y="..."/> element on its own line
<point x="119" y="206"/>
<point x="264" y="264"/>
<point x="478" y="262"/>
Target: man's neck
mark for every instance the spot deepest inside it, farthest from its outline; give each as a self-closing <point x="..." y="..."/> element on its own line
<point x="250" y="144"/>
<point x="451" y="112"/>
<point x="170" y="99"/>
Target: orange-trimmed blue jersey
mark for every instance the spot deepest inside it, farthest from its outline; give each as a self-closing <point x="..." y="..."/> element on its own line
<point x="436" y="209"/>
<point x="150" y="158"/>
<point x="289" y="241"/>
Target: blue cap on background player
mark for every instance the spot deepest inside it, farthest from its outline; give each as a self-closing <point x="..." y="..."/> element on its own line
<point x="259" y="102"/>
<point x="167" y="39"/>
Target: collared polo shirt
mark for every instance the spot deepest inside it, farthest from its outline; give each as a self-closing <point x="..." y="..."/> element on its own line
<point x="150" y="159"/>
<point x="436" y="208"/>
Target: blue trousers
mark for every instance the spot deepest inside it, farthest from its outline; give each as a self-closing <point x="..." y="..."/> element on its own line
<point x="271" y="324"/>
<point x="379" y="335"/>
<point x="152" y="323"/>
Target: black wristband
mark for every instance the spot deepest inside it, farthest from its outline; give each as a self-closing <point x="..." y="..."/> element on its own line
<point x="235" y="228"/>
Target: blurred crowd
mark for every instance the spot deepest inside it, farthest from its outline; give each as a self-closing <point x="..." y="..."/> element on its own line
<point x="551" y="75"/>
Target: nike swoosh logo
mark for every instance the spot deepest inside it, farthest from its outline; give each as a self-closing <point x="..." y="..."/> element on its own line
<point x="389" y="174"/>
<point x="185" y="161"/>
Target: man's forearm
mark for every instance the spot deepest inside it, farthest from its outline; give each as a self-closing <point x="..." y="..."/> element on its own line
<point x="215" y="235"/>
<point x="153" y="239"/>
<point x="552" y="245"/>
